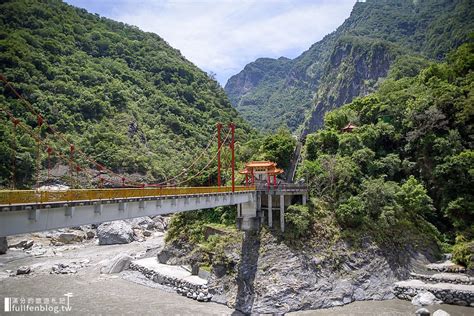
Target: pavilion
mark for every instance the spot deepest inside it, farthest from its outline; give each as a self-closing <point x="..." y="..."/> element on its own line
<point x="258" y="169"/>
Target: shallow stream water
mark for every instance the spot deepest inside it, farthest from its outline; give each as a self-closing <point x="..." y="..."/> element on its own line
<point x="128" y="294"/>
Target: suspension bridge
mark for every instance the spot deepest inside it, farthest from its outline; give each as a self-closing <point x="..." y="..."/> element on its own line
<point x="118" y="197"/>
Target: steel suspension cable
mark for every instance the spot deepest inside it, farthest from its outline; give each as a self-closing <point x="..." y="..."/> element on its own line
<point x="54" y="130"/>
<point x="194" y="161"/>
<point x="84" y="155"/>
<point x="47" y="145"/>
<point x="208" y="164"/>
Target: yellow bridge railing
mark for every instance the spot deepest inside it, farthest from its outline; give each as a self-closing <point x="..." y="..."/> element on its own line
<point x="8" y="197"/>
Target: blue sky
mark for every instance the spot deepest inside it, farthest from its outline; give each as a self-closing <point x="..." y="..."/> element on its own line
<point x="223" y="36"/>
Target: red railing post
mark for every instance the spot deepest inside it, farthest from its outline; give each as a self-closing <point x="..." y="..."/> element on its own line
<point x="232" y="147"/>
<point x="219" y="144"/>
<point x="71" y="158"/>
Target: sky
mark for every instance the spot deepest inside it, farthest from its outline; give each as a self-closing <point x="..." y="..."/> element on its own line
<point x="222" y="36"/>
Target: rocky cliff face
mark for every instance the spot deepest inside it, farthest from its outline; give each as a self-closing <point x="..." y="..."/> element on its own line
<point x="265" y="274"/>
<point x="354" y="69"/>
<point x="349" y="62"/>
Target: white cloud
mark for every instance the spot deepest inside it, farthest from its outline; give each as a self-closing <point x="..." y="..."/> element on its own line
<point x="224" y="35"/>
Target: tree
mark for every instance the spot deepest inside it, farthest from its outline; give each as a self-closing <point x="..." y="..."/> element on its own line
<point x="278" y="148"/>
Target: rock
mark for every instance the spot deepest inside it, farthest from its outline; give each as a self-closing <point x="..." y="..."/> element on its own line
<point x="219" y="270"/>
<point x="140" y="222"/>
<point x="69" y="237"/>
<point x="424" y="299"/>
<point x="24" y="244"/>
<point x="440" y="312"/>
<point x="90" y="234"/>
<point x="137" y="233"/>
<point x="195" y="269"/>
<point x="161" y="223"/>
<point x="23" y="270"/>
<point x="201" y="297"/>
<point x="117" y="264"/>
<point x="62" y="268"/>
<point x="422" y="312"/>
<point x="163" y="256"/>
<point x="69" y="268"/>
<point x="146" y="233"/>
<point x="117" y="232"/>
<point x="3" y="245"/>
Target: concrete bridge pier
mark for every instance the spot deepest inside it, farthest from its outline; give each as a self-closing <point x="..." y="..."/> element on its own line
<point x="270" y="211"/>
<point x="247" y="218"/>
<point x="251" y="214"/>
<point x="3" y="245"/>
<point x="282" y="212"/>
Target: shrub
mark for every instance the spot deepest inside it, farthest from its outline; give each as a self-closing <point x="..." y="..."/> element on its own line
<point x="351" y="212"/>
<point x="298" y="219"/>
<point x="463" y="252"/>
<point x="414" y="198"/>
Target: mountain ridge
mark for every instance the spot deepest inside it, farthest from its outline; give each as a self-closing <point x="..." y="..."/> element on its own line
<point x="126" y="97"/>
<point x="426" y="28"/>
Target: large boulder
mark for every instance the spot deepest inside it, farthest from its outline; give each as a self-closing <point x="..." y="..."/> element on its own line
<point x="3" y="245"/>
<point x="117" y="264"/>
<point x="70" y="237"/>
<point x="440" y="312"/>
<point x="161" y="223"/>
<point x="117" y="232"/>
<point x="424" y="299"/>
<point x="23" y="270"/>
<point x="23" y="244"/>
<point x="141" y="222"/>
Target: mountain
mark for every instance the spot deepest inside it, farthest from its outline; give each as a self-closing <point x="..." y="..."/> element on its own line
<point x="347" y="63"/>
<point x="125" y="97"/>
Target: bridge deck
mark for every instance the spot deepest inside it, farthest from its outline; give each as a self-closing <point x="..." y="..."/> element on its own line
<point x="34" y="197"/>
<point x="82" y="207"/>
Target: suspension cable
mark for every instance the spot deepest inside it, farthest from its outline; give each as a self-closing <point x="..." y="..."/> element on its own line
<point x="99" y="166"/>
<point x="208" y="164"/>
<point x="46" y="144"/>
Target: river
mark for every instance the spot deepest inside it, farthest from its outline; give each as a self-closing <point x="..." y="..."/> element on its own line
<point x="130" y="293"/>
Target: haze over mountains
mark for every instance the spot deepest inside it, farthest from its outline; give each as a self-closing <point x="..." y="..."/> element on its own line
<point x="347" y="63"/>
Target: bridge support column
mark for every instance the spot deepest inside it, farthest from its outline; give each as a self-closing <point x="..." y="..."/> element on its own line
<point x="98" y="208"/>
<point x="70" y="211"/>
<point x="3" y="245"/>
<point x="33" y="214"/>
<point x="304" y="199"/>
<point x="270" y="211"/>
<point x="282" y="212"/>
<point x="239" y="210"/>
<point x="248" y="219"/>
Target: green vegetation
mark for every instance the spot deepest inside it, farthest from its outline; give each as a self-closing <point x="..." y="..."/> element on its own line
<point x="122" y="95"/>
<point x="409" y="162"/>
<point x="278" y="148"/>
<point x="463" y="252"/>
<point x="211" y="232"/>
<point x="298" y="220"/>
<point x="348" y="62"/>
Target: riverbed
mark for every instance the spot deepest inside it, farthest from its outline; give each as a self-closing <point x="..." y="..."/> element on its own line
<point x="130" y="293"/>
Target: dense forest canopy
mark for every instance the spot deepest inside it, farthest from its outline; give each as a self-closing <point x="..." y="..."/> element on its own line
<point x="410" y="158"/>
<point x="122" y="95"/>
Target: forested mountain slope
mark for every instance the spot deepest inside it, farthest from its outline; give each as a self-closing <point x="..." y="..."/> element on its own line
<point x="348" y="62"/>
<point x="122" y="95"/>
<point x="409" y="158"/>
